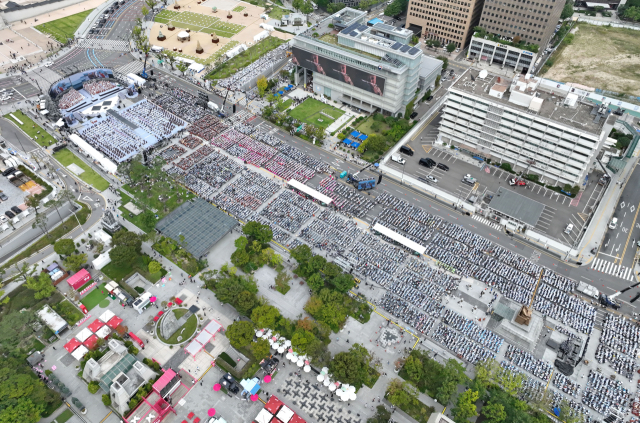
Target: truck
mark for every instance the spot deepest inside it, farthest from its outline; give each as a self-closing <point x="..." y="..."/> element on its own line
<point x="588" y="290"/>
<point x="213" y="106"/>
<point x="365" y="181"/>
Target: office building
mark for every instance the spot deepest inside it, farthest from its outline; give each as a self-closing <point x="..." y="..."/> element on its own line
<point x="372" y="68"/>
<point x="527" y="122"/>
<point x="445" y="20"/>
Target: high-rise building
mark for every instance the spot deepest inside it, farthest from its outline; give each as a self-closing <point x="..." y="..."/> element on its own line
<point x="514" y="31"/>
<point x="370" y="66"/>
<point x="445" y="20"/>
<point x="526" y="122"/>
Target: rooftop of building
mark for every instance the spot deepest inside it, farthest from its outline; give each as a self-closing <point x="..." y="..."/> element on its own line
<point x="526" y="94"/>
<point x="517" y="206"/>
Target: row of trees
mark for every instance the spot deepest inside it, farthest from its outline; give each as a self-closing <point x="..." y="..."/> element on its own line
<point x="252" y="250"/>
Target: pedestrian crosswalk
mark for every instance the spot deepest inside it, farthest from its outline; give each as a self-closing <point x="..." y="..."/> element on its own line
<point x="486" y="221"/>
<point x="622" y="272"/>
<point x="131" y="67"/>
<point x="116" y="45"/>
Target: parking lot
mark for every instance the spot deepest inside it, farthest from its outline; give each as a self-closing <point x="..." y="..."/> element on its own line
<point x="559" y="209"/>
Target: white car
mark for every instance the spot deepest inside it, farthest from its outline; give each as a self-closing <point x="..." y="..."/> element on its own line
<point x="614" y="223"/>
<point x="432" y="179"/>
<point x="568" y="229"/>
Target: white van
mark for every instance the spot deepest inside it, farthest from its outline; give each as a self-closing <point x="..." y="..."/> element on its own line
<point x="213" y="106"/>
<point x="568" y="229"/>
<point x="614" y="223"/>
<point x="398" y="159"/>
<point x="157" y="49"/>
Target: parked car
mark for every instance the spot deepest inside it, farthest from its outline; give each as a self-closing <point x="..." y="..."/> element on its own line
<point x="426" y="161"/>
<point x="517" y="182"/>
<point x="413" y="115"/>
<point x="16" y="210"/>
<point x="9" y="214"/>
<point x="443" y="166"/>
<point x="569" y="228"/>
<point x="398" y="159"/>
<point x="469" y="180"/>
<point x="432" y="179"/>
<point x="405" y="149"/>
<point x="430" y="98"/>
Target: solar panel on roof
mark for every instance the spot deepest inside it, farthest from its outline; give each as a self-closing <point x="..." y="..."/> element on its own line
<point x="396" y="46"/>
<point x="413" y="50"/>
<point x="362" y="27"/>
<point x="404" y="48"/>
<point x="349" y="28"/>
<point x="353" y="34"/>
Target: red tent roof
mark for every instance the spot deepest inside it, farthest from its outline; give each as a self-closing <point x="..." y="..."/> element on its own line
<point x="91" y="342"/>
<point x="79" y="279"/>
<point x="96" y="325"/>
<point x="297" y="419"/>
<point x="72" y="345"/>
<point x="273" y="405"/>
<point x="276" y="420"/>
<point x="114" y="322"/>
<point x="164" y="379"/>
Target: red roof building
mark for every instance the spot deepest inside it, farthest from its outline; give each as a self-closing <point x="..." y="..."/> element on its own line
<point x="79" y="279"/>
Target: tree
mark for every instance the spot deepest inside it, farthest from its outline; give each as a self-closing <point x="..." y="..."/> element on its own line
<point x="40" y="222"/>
<point x="93" y="387"/>
<point x="128" y="239"/>
<point x="413" y="367"/>
<point x="245" y="302"/>
<point x="23" y="410"/>
<point x="144" y="11"/>
<point x="382" y="415"/>
<point x="394" y="9"/>
<point x="567" y="10"/>
<point x="516" y="40"/>
<point x="343" y="282"/>
<point x="260" y="348"/>
<point x="64" y="247"/>
<point x="510" y="381"/>
<point x="41" y="284"/>
<point x="494" y="413"/>
<point x="335" y="7"/>
<point x="182" y="66"/>
<point x="122" y="255"/>
<point x="259" y="232"/>
<point x="142" y="43"/>
<point x="148" y="220"/>
<point x="33" y="201"/>
<point x="301" y="253"/>
<point x="465" y="406"/>
<point x="75" y="262"/>
<point x="171" y="58"/>
<point x="451" y="47"/>
<point x="306" y="7"/>
<point x="445" y="62"/>
<point x="240" y="258"/>
<point x="265" y="316"/>
<point x="567" y="414"/>
<point x="154" y="267"/>
<point x="240" y="334"/>
<point x="315" y="282"/>
<point x="262" y="84"/>
<point x="401" y="393"/>
<point x="106" y="400"/>
<point x="452" y="375"/>
<point x="352" y="367"/>
<point x="437" y="81"/>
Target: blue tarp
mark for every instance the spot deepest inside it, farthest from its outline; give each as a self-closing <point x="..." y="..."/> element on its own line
<point x="347" y="141"/>
<point x="250" y="385"/>
<point x="478" y="158"/>
<point x="362" y="137"/>
<point x="290" y="86"/>
<point x="355" y="144"/>
<point x="374" y="21"/>
<point x="276" y="95"/>
<point x="355" y="134"/>
<point x="287" y="88"/>
<point x="280" y="92"/>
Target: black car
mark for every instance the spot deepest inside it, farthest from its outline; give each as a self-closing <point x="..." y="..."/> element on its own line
<point x="16" y="210"/>
<point x="9" y="214"/>
<point x="427" y="162"/>
<point x="405" y="149"/>
<point x="413" y="115"/>
<point x="430" y="98"/>
<point x="3" y="196"/>
<point x="8" y="171"/>
<point x="443" y="166"/>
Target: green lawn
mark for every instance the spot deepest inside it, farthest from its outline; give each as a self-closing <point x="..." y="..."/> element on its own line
<point x="64" y="416"/>
<point x="285" y="105"/>
<point x="90" y="176"/>
<point x="32" y="129"/>
<point x="68" y="312"/>
<point x="311" y="112"/>
<point x="365" y="127"/>
<point x="140" y="265"/>
<point x="92" y="299"/>
<point x="245" y="58"/>
<point x="201" y="23"/>
<point x="239" y="8"/>
<point x="277" y="13"/>
<point x="64" y="28"/>
<point x="190" y="327"/>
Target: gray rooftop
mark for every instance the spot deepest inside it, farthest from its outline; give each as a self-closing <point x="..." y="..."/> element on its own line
<point x="580" y="118"/>
<point x="428" y="65"/>
<point x="201" y="224"/>
<point x="517" y="206"/>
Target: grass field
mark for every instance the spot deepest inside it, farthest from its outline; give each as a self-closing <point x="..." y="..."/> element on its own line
<point x="140" y="265"/>
<point x="68" y="312"/>
<point x="90" y="176"/>
<point x="64" y="28"/>
<point x="189" y="327"/>
<point x="171" y="203"/>
<point x="599" y="57"/>
<point x="92" y="299"/>
<point x="32" y="129"/>
<point x="200" y="23"/>
<point x="245" y="58"/>
<point x="239" y="8"/>
<point x="314" y="112"/>
<point x="64" y="416"/>
<point x="365" y="127"/>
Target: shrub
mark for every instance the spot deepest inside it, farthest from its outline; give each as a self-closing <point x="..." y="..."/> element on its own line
<point x="93" y="387"/>
<point x="106" y="400"/>
<point x="507" y="167"/>
<point x="225" y="357"/>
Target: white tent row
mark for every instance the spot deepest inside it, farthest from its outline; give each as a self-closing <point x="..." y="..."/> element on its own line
<point x="260" y="36"/>
<point x="107" y="164"/>
<point x="414" y="246"/>
<point x="136" y="80"/>
<point x="310" y="191"/>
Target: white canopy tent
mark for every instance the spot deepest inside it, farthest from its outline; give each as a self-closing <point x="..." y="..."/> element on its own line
<point x="106" y="316"/>
<point x="414" y="246"/>
<point x="263" y="416"/>
<point x="84" y="334"/>
<point x="102" y="260"/>
<point x="79" y="352"/>
<point x="310" y="191"/>
<point x="103" y="332"/>
<point x="107" y="164"/>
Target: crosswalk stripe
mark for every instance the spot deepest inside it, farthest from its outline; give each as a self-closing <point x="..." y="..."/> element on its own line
<point x="131" y="67"/>
<point x="486" y="221"/>
<point x="617" y="270"/>
<point x="117" y="45"/>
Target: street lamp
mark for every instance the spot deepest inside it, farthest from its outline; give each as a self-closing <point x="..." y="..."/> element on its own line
<point x="402" y="180"/>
